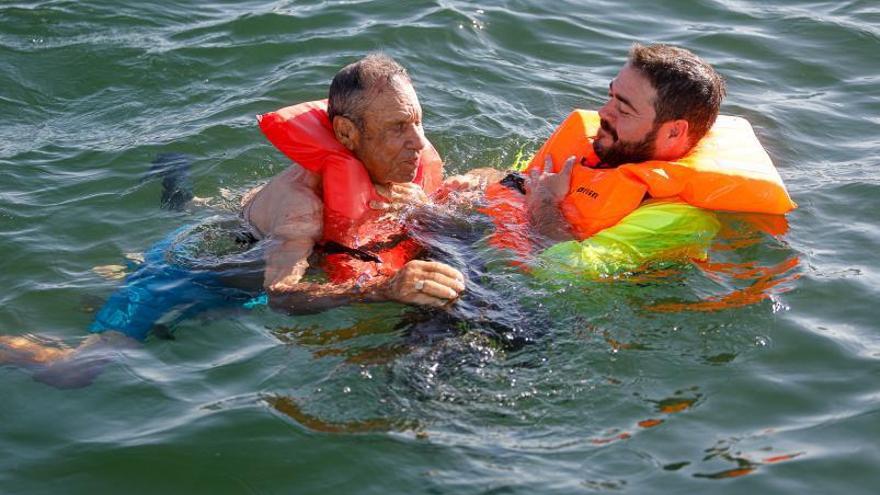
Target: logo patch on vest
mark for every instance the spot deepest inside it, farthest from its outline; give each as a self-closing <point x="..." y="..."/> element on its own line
<point x="589" y="192"/>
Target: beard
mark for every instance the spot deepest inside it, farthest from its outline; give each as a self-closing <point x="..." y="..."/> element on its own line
<point x="621" y="152"/>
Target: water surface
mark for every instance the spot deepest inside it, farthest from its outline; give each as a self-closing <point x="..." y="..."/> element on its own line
<point x="756" y="373"/>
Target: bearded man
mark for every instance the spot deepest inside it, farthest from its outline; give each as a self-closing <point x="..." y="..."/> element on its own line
<point x="662" y="102"/>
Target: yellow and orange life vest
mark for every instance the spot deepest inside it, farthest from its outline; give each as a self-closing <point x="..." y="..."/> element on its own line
<point x="375" y="246"/>
<point x="727" y="170"/>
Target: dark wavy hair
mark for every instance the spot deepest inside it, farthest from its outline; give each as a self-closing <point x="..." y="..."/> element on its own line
<point x="687" y="87"/>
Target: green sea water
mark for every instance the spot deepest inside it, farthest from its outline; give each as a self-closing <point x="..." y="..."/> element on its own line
<point x="756" y="372"/>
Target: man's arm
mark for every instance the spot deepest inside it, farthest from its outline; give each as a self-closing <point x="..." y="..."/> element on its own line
<point x="474" y="179"/>
<point x="546" y="216"/>
<point x="293" y="222"/>
<point x="294" y="234"/>
<point x="425" y="283"/>
<point x="544" y="193"/>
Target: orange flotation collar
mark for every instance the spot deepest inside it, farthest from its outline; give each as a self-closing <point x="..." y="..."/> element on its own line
<point x="304" y="133"/>
<point x="727" y="170"/>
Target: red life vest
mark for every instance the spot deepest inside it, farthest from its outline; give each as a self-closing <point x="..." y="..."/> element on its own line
<point x="374" y="245"/>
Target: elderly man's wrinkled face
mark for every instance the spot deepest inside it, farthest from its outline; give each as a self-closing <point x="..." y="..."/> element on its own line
<point x="628" y="132"/>
<point x="390" y="139"/>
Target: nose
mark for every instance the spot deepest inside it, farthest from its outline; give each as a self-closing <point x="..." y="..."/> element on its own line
<point x="607" y="112"/>
<point x="416" y="139"/>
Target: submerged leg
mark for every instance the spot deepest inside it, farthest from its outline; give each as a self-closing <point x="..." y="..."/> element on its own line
<point x="55" y="364"/>
<point x="80" y="368"/>
<point x="177" y="185"/>
<point x="26" y="351"/>
<point x="155" y="291"/>
<point x="159" y="294"/>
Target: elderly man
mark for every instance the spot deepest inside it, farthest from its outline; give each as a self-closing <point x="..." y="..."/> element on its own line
<point x="376" y="124"/>
<point x="375" y="116"/>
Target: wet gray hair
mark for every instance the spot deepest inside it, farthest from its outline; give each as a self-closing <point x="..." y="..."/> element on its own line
<point x="352" y="85"/>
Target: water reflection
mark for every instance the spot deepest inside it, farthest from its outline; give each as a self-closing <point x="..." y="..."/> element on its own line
<point x="740" y="264"/>
<point x="289" y="407"/>
<point x="746" y="463"/>
<point x="515" y="351"/>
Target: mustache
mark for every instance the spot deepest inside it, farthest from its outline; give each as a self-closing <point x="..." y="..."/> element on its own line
<point x="607" y="128"/>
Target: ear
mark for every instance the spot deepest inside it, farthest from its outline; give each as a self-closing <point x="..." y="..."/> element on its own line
<point x="346" y="132"/>
<point x="673" y="141"/>
<point x="678" y="130"/>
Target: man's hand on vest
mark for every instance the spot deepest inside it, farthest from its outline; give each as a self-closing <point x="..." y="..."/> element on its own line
<point x="426" y="283"/>
<point x="546" y="185"/>
<point x="544" y="191"/>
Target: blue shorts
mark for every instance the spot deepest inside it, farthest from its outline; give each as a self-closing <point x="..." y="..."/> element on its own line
<point x="162" y="285"/>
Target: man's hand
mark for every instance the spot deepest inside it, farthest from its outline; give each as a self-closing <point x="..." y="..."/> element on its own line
<point x="544" y="192"/>
<point x="548" y="186"/>
<point x="399" y="196"/>
<point x="425" y="282"/>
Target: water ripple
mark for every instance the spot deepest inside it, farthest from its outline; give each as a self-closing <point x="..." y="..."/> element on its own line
<point x="758" y="367"/>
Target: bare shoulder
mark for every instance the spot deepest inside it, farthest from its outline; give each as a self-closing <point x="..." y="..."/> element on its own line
<point x="288" y="206"/>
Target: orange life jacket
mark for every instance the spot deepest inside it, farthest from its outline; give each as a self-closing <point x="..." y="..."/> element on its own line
<point x="372" y="245"/>
<point x="727" y="170"/>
